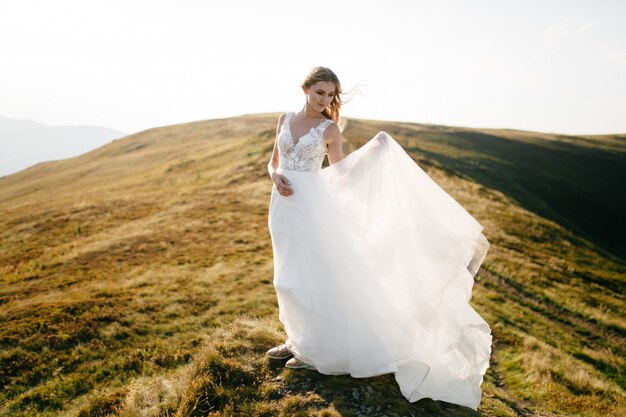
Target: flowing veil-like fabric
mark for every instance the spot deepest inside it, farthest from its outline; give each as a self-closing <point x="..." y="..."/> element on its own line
<point x="373" y="269"/>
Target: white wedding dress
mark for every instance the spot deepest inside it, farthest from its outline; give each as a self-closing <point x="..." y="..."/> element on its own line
<point x="373" y="269"/>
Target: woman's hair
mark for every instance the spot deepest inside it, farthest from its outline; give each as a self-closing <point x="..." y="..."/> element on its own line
<point x="326" y="74"/>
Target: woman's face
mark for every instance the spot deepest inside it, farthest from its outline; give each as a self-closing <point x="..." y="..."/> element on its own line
<point x="320" y="94"/>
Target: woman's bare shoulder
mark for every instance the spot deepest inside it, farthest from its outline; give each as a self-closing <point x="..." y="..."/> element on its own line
<point x="333" y="129"/>
<point x="332" y="133"/>
<point x="281" y="118"/>
<point x="279" y="124"/>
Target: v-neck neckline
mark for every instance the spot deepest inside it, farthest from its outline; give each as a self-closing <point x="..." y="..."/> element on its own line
<point x="303" y="136"/>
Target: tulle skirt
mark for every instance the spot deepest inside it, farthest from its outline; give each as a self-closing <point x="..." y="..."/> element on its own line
<point x="373" y="270"/>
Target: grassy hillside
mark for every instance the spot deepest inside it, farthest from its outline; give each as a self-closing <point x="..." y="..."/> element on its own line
<point x="136" y="279"/>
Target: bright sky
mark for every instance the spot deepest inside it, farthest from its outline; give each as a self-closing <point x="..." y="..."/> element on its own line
<point x="552" y="66"/>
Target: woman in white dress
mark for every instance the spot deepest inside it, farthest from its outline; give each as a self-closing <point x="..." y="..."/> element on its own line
<point x="373" y="261"/>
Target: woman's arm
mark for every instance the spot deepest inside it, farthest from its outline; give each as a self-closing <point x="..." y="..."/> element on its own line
<point x="332" y="135"/>
<point x="273" y="163"/>
<point x="282" y="183"/>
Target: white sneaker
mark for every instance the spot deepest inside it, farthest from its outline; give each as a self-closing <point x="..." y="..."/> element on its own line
<point x="295" y="363"/>
<point x="279" y="352"/>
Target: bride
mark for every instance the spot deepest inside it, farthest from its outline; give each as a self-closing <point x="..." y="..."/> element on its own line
<point x="373" y="261"/>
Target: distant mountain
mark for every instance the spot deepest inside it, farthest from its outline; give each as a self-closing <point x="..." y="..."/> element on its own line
<point x="25" y="142"/>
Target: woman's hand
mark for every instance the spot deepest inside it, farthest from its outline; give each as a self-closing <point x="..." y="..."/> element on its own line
<point x="282" y="184"/>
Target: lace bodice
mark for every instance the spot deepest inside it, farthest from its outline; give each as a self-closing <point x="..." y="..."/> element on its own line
<point x="303" y="154"/>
